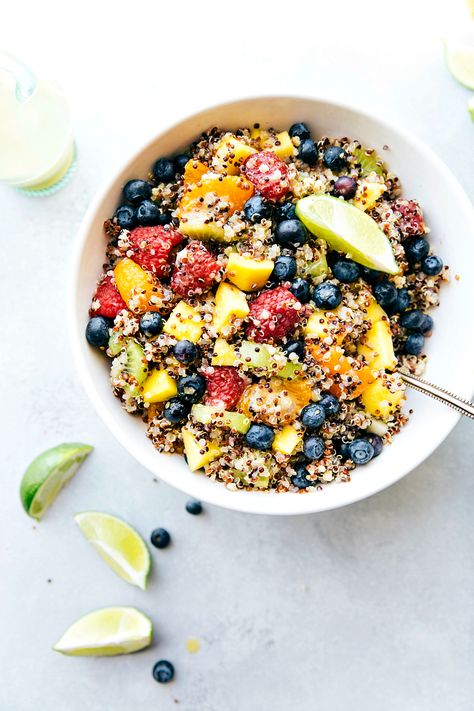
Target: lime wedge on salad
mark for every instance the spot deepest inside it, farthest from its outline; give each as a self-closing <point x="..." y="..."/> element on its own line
<point x="347" y="229"/>
<point x="106" y="633"/>
<point x="460" y="61"/>
<point x="122" y="548"/>
<point x="48" y="473"/>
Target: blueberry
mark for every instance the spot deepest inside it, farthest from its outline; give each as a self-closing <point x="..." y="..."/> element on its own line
<point x="345" y="187"/>
<point x="296" y="347"/>
<point x="186" y="352"/>
<point x="256" y="209"/>
<point x="164" y="218"/>
<point x="335" y="158"/>
<point x="327" y="295"/>
<point x="426" y="325"/>
<point x="412" y="320"/>
<point x="331" y="404"/>
<point x="176" y="410"/>
<point x="259" y="436"/>
<point x="148" y="213"/>
<point x="180" y="163"/>
<point x="191" y="387"/>
<point x="151" y="324"/>
<point x="308" y="152"/>
<point x="160" y="538"/>
<point x="136" y="190"/>
<point x="284" y="269"/>
<point x="125" y="216"/>
<point x="285" y="212"/>
<point x="360" y="451"/>
<point x="163" y="170"/>
<point x="194" y="507"/>
<point x="299" y="479"/>
<point x="401" y="303"/>
<point x="299" y="130"/>
<point x="290" y="232"/>
<point x="414" y="344"/>
<point x="416" y="249"/>
<point x="163" y="671"/>
<point x="385" y="293"/>
<point x="97" y="331"/>
<point x="371" y="276"/>
<point x="346" y="270"/>
<point x="313" y="416"/>
<point x="343" y="449"/>
<point x="376" y="442"/>
<point x="431" y="265"/>
<point x="300" y="289"/>
<point x="313" y="448"/>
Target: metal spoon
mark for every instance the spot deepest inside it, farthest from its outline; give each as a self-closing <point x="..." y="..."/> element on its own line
<point x="465" y="407"/>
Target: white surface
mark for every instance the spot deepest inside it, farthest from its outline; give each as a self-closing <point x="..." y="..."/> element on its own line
<point x="447" y="210"/>
<point x="365" y="608"/>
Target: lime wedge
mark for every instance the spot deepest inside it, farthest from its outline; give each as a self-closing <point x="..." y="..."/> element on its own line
<point x="460" y="61"/>
<point x="470" y="107"/>
<point x="48" y="473"/>
<point x="106" y="632"/>
<point x="347" y="229"/>
<point x="122" y="548"/>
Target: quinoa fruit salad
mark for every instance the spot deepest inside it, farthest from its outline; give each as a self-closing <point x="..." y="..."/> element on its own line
<point x="260" y="294"/>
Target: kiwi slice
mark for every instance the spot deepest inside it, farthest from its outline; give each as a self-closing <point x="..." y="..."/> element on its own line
<point x="117" y="343"/>
<point x="369" y="161"/>
<point x="136" y="366"/>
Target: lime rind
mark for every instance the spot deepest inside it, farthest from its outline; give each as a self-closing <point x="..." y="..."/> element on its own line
<point x="48" y="474"/>
<point x="460" y="62"/>
<point x="106" y="632"/>
<point x="347" y="229"/>
<point x="118" y="544"/>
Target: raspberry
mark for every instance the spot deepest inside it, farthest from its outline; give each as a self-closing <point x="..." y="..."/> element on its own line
<point x="410" y="218"/>
<point x="273" y="315"/>
<point x="151" y="247"/>
<point x="224" y="386"/>
<point x="195" y="270"/>
<point x="268" y="173"/>
<point x="110" y="301"/>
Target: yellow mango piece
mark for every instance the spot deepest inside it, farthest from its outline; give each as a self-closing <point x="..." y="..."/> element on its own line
<point x="159" y="386"/>
<point x="367" y="194"/>
<point x="377" y="348"/>
<point x="321" y="323"/>
<point x="184" y="323"/>
<point x="285" y="149"/>
<point x="232" y="153"/>
<point x="286" y="440"/>
<point x="230" y="304"/>
<point x="375" y="312"/>
<point x="247" y="273"/>
<point x="259" y="134"/>
<point x="197" y="455"/>
<point x="379" y="401"/>
<point x="224" y="353"/>
<point x="137" y="288"/>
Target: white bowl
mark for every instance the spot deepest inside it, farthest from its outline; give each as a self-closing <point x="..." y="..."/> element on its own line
<point x="450" y="217"/>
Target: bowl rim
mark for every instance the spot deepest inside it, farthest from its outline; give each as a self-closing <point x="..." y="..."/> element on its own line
<point x="309" y="503"/>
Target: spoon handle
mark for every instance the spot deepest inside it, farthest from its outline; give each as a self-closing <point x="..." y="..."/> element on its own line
<point x="465" y="407"/>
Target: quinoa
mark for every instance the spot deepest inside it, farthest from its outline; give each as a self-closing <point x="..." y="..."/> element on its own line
<point x="268" y="398"/>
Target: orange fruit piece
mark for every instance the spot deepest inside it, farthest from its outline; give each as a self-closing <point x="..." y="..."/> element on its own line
<point x="230" y="189"/>
<point x="336" y="363"/>
<point x="299" y="390"/>
<point x="361" y="379"/>
<point x="137" y="288"/>
<point x="277" y="402"/>
<point x="193" y="171"/>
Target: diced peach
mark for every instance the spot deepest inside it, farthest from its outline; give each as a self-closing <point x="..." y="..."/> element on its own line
<point x="138" y="288"/>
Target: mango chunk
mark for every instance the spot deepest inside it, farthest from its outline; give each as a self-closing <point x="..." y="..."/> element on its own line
<point x="224" y="353"/>
<point x="193" y="171"/>
<point x="247" y="273"/>
<point x="378" y="399"/>
<point x="159" y="386"/>
<point x="232" y="153"/>
<point x="137" y="288"/>
<point x="184" y="323"/>
<point x="367" y="194"/>
<point x="230" y="304"/>
<point x="322" y="324"/>
<point x="197" y="455"/>
<point x="375" y="312"/>
<point x="261" y="135"/>
<point x="287" y="440"/>
<point x="283" y="147"/>
<point x="377" y="348"/>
